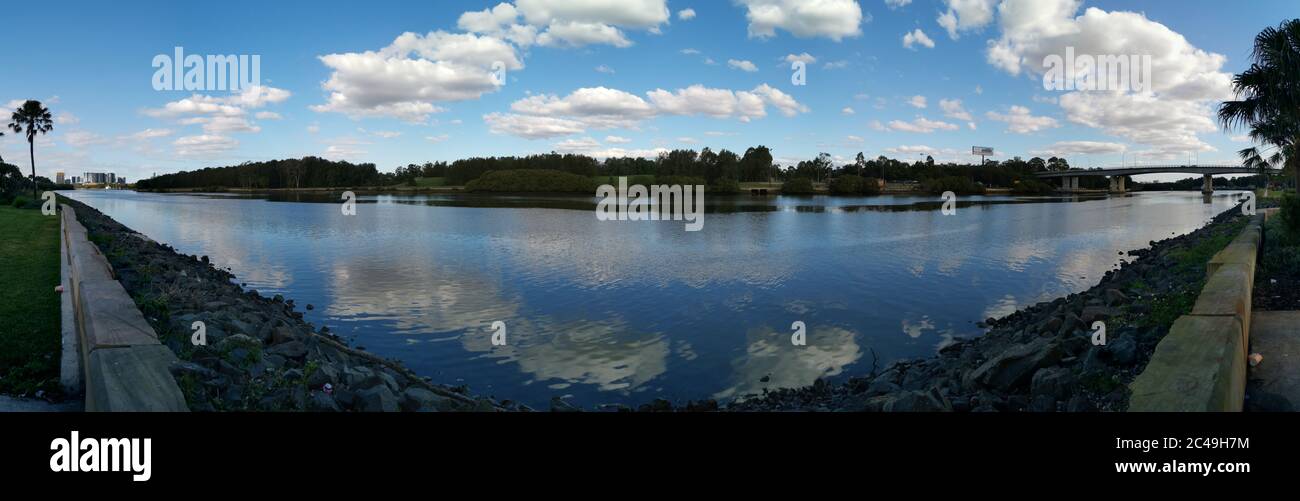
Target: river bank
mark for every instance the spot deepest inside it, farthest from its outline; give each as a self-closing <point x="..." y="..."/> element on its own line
<point x="1040" y="359"/>
<point x="260" y="355"/>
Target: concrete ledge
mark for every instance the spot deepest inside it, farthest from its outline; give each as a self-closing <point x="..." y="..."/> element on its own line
<point x="1228" y="293"/>
<point x="134" y="379"/>
<point x="70" y="364"/>
<point x="126" y="369"/>
<point x="1199" y="367"/>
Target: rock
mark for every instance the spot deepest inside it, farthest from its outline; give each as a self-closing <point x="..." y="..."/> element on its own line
<point x="1080" y="403"/>
<point x="180" y="369"/>
<point x="291" y="350"/>
<point x="559" y="405"/>
<point x="236" y="341"/>
<point x="420" y="399"/>
<point x="379" y="378"/>
<point x="282" y="334"/>
<point x="377" y="399"/>
<point x="882" y="387"/>
<point x="321" y="402"/>
<point x="1115" y="297"/>
<point x="1054" y="382"/>
<point x="1095" y="313"/>
<point x="1123" y="351"/>
<point x="1051" y="325"/>
<point x="324" y="374"/>
<point x="1042" y="403"/>
<point x="1016" y="365"/>
<point x="919" y="401"/>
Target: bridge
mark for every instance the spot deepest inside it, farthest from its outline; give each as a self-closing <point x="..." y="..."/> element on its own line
<point x="1117" y="175"/>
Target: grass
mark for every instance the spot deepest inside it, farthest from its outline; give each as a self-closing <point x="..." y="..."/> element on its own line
<point x="430" y="182"/>
<point x="29" y="307"/>
<point x="1190" y="260"/>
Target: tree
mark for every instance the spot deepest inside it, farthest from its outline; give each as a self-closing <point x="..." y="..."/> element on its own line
<point x="1268" y="97"/>
<point x="35" y="119"/>
<point x="756" y="165"/>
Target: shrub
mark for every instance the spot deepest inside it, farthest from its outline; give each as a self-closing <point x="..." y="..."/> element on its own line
<point x="724" y="186"/>
<point x="20" y="202"/>
<point x="956" y="184"/>
<point x="1291" y="214"/>
<point x="531" y="181"/>
<point x="798" y="186"/>
<point x="1033" y="187"/>
<point x="855" y="185"/>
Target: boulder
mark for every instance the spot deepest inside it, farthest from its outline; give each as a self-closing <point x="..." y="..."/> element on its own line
<point x="1015" y="366"/>
<point x="420" y="399"/>
<point x="918" y="401"/>
<point x="1054" y="382"/>
<point x="377" y="399"/>
<point x="291" y="350"/>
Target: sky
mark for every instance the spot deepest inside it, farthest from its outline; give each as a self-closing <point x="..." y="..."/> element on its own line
<point x="395" y="83"/>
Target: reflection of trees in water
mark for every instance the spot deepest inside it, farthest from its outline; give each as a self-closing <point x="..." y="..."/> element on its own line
<point x="769" y="354"/>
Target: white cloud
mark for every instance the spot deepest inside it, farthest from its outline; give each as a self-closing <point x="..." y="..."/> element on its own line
<point x="548" y="116"/>
<point x="441" y="138"/>
<point x="917" y="37"/>
<point x="746" y="66"/>
<point x="204" y="145"/>
<point x="686" y="14"/>
<point x="268" y="115"/>
<point x="80" y="139"/>
<point x="1187" y="82"/>
<point x="1021" y="121"/>
<point x="804" y="58"/>
<point x="1081" y="148"/>
<point x="967" y="15"/>
<point x="591" y="147"/>
<point x="952" y="108"/>
<point x="218" y="125"/>
<point x="921" y="126"/>
<point x="150" y="134"/>
<point x="835" y="65"/>
<point x="894" y="4"/>
<point x="605" y="69"/>
<point x="617" y="140"/>
<point x="405" y="79"/>
<point x="386" y="134"/>
<point x="848" y="111"/>
<point x="917" y="102"/>
<point x="576" y="23"/>
<point x="313" y="128"/>
<point x="833" y="19"/>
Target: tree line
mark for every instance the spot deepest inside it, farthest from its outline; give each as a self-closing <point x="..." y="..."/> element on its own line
<point x="307" y="172"/>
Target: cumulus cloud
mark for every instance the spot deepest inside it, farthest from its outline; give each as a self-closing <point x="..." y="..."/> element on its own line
<point x="833" y="19"/>
<point x="917" y="102"/>
<point x="1186" y="81"/>
<point x="407" y="78"/>
<point x="966" y="15"/>
<point x="686" y="14"/>
<point x="548" y="116"/>
<point x="952" y="108"/>
<point x="917" y="37"/>
<point x="1081" y="148"/>
<point x="576" y="23"/>
<point x="746" y="66"/>
<point x="204" y="145"/>
<point x="1021" y="121"/>
<point x="921" y="126"/>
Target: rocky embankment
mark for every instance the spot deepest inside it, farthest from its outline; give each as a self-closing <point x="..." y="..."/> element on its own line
<point x="1040" y="359"/>
<point x="260" y="354"/>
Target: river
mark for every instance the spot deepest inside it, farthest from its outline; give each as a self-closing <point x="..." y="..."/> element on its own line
<point x="626" y="312"/>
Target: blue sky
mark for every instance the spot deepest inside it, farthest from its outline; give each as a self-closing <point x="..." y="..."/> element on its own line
<point x="607" y="77"/>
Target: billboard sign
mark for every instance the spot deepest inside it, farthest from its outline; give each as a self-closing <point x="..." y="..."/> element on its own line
<point x="982" y="151"/>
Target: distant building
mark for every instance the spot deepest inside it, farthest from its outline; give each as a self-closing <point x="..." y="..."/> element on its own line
<point x="58" y="177"/>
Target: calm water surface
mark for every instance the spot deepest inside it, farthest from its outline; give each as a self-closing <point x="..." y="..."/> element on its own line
<point x="608" y="312"/>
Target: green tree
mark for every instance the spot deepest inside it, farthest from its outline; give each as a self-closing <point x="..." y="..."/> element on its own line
<point x="35" y="119"/>
<point x="1268" y="97"/>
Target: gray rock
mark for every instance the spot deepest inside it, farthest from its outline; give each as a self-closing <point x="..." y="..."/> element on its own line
<point x="1115" y="297"/>
<point x="291" y="350"/>
<point x="377" y="399"/>
<point x="882" y="387"/>
<point x="1016" y="365"/>
<point x="1080" y="403"/>
<point x="1123" y="351"/>
<point x="1094" y="313"/>
<point x="420" y="399"/>
<point x="1055" y="382"/>
<point x="321" y="402"/>
<point x="1042" y="403"/>
<point x="919" y="401"/>
<point x="324" y="374"/>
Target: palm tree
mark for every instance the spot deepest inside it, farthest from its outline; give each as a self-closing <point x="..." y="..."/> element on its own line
<point x="35" y="119"/>
<point x="1269" y="98"/>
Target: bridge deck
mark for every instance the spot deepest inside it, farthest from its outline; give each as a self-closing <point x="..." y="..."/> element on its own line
<point x="1153" y="169"/>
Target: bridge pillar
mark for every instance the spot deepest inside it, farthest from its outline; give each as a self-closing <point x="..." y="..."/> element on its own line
<point x="1208" y="187"/>
<point x="1114" y="184"/>
<point x="1123" y="184"/>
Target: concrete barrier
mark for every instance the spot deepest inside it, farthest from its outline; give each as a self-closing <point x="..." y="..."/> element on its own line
<point x="1201" y="365"/>
<point x="126" y="369"/>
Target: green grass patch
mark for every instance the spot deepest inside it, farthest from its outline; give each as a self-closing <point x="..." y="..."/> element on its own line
<point x="430" y="182"/>
<point x="30" y="341"/>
